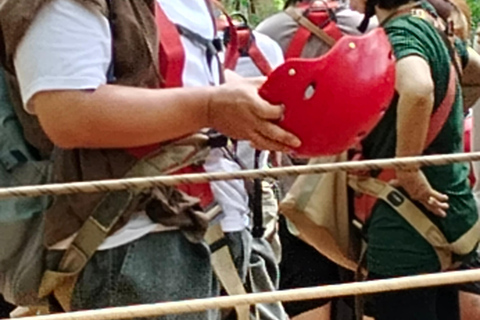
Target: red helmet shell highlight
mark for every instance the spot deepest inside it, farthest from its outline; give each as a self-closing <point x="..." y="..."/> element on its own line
<point x="333" y="101"/>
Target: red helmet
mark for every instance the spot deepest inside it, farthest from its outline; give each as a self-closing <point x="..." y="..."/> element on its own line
<point x="333" y="101"/>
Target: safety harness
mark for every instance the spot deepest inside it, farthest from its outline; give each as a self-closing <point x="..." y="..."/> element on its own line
<point x="314" y="18"/>
<point x="172" y="57"/>
<point x="239" y="41"/>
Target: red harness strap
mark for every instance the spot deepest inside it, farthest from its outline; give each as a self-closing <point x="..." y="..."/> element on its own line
<point x="363" y="204"/>
<point x="247" y="45"/>
<point x="231" y="50"/>
<point x="172" y="61"/>
<point x="320" y="15"/>
<point x="242" y="42"/>
<point x="171" y="54"/>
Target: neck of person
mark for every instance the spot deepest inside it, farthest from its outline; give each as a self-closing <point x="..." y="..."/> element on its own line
<point x="383" y="14"/>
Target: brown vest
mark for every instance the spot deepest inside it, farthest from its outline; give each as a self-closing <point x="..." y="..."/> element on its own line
<point x="135" y="64"/>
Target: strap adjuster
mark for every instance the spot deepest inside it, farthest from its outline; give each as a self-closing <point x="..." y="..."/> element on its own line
<point x="396" y="198"/>
<point x="217" y="140"/>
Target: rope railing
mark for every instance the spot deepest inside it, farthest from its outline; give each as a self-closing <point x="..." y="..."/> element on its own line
<point x="330" y="291"/>
<point x="198" y="305"/>
<point x="149" y="182"/>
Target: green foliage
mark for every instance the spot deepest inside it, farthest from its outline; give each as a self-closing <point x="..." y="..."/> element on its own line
<point x="475" y="7"/>
<point x="254" y="10"/>
<point x="257" y="10"/>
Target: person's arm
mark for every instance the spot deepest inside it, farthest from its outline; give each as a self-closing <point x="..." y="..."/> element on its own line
<point x="62" y="75"/>
<point x="416" y="97"/>
<point x="415" y="105"/>
<point x="471" y="79"/>
<point x="114" y="116"/>
<point x="120" y="117"/>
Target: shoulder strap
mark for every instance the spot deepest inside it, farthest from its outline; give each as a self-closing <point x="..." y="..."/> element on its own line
<point x="245" y="44"/>
<point x="301" y="20"/>
<point x="94" y="231"/>
<point x="240" y="41"/>
<point x="317" y="19"/>
<point x="172" y="57"/>
<point x="230" y="38"/>
<point x="224" y="268"/>
<point x="171" y="54"/>
<point x="258" y="58"/>
<point x="440" y="116"/>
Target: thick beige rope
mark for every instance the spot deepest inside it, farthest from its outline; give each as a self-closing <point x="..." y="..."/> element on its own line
<point x="355" y="288"/>
<point x="149" y="182"/>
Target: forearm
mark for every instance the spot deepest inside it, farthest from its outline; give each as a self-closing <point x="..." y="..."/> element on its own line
<point x="471" y="80"/>
<point x="471" y="73"/>
<point x="121" y="117"/>
<point x="413" y="118"/>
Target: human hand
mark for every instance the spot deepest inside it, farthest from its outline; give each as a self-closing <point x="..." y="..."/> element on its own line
<point x="417" y="186"/>
<point x="236" y="110"/>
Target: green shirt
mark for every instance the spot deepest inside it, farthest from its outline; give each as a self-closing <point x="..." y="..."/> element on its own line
<point x="394" y="247"/>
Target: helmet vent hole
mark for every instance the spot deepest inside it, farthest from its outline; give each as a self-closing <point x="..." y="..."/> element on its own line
<point x="309" y="91"/>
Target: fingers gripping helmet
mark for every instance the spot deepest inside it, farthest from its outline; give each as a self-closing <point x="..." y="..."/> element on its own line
<point x="333" y="101"/>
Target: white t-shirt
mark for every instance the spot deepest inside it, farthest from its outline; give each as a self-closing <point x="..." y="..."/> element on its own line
<point x="69" y="47"/>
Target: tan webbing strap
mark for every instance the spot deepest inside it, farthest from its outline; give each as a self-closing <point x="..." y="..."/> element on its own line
<point x="96" y="229"/>
<point x="173" y="157"/>
<point x="467" y="242"/>
<point x="226" y="271"/>
<point x="23" y="312"/>
<point x="377" y="188"/>
<point x="411" y="213"/>
<point x="92" y="234"/>
<point x="301" y="20"/>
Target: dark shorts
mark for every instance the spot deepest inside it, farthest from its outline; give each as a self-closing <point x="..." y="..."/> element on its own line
<point x="303" y="266"/>
<point x="471" y="287"/>
<point x="433" y="303"/>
